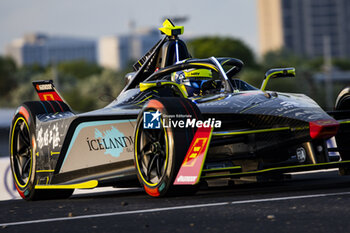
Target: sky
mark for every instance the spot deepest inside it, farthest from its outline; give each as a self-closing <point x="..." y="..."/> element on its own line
<point x="97" y="18"/>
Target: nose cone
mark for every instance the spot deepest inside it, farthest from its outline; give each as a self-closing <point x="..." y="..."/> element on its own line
<point x="294" y="106"/>
<point x="298" y="107"/>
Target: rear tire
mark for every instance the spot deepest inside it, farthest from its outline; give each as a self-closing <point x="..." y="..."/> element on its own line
<point x="23" y="154"/>
<point x="159" y="153"/>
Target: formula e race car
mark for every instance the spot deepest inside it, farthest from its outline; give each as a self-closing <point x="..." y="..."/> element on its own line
<point x="178" y="123"/>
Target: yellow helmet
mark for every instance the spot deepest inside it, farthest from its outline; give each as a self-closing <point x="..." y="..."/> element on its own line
<point x="192" y="79"/>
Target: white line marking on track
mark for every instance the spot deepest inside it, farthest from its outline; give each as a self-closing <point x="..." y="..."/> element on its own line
<point x="173" y="208"/>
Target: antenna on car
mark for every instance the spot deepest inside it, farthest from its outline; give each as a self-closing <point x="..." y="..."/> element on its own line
<point x="162" y="54"/>
<point x="171" y="30"/>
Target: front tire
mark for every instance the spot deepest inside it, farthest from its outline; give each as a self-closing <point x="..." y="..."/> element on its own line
<point x="159" y="153"/>
<point x="342" y="138"/>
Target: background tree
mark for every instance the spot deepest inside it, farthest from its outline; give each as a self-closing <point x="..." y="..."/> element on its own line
<point x="87" y="86"/>
<point x="79" y="69"/>
<point x="205" y="47"/>
<point x="95" y="91"/>
<point x="7" y="76"/>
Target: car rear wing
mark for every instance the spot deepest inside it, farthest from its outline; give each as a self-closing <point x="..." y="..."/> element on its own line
<point x="47" y="92"/>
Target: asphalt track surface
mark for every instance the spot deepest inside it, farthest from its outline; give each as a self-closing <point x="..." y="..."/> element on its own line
<point x="313" y="202"/>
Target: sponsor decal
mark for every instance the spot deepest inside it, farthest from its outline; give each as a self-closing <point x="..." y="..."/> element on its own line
<point x="50" y="136"/>
<point x="194" y="152"/>
<point x="53" y="116"/>
<point x="47" y="92"/>
<point x="111" y="141"/>
<point x="44" y="87"/>
<point x="48" y="97"/>
<point x="287" y="105"/>
<point x="192" y="165"/>
<point x="186" y="179"/>
<point x="301" y="154"/>
<point x="98" y="143"/>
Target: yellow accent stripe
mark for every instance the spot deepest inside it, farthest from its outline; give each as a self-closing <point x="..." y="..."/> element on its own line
<point x="86" y="185"/>
<point x="206" y="65"/>
<point x="54" y="153"/>
<point x="45" y="170"/>
<point x="31" y="155"/>
<point x="251" y="131"/>
<point x="145" y="86"/>
<point x="275" y="169"/>
<point x="249" y="108"/>
<point x="299" y="128"/>
<point x="225" y="62"/>
<point x="344" y="121"/>
<point x="182" y="90"/>
<point x="145" y="99"/>
<point x="137" y="162"/>
<point x="263" y="86"/>
<point x="222" y="169"/>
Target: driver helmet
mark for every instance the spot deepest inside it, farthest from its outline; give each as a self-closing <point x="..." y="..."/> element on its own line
<point x="192" y="80"/>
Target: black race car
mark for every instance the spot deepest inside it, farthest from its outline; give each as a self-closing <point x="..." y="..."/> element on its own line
<point x="178" y="122"/>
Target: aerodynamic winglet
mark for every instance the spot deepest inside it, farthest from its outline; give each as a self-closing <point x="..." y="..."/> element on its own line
<point x="192" y="166"/>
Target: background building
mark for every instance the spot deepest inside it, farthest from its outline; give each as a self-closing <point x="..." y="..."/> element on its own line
<point x="43" y="50"/>
<point x="304" y="26"/>
<point x="116" y="52"/>
<point x="270" y="25"/>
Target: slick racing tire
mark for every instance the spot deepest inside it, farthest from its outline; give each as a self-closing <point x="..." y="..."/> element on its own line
<point x="342" y="138"/>
<point x="23" y="153"/>
<point x="159" y="152"/>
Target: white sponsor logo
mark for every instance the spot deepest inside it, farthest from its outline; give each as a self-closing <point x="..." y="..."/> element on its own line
<point x="50" y="136"/>
<point x="45" y="87"/>
<point x="187" y="179"/>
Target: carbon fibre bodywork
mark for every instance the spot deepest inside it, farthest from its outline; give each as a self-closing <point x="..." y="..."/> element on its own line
<point x="260" y="131"/>
<point x="248" y="110"/>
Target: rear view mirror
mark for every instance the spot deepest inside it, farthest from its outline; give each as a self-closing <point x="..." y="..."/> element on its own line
<point x="277" y="73"/>
<point x="129" y="77"/>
